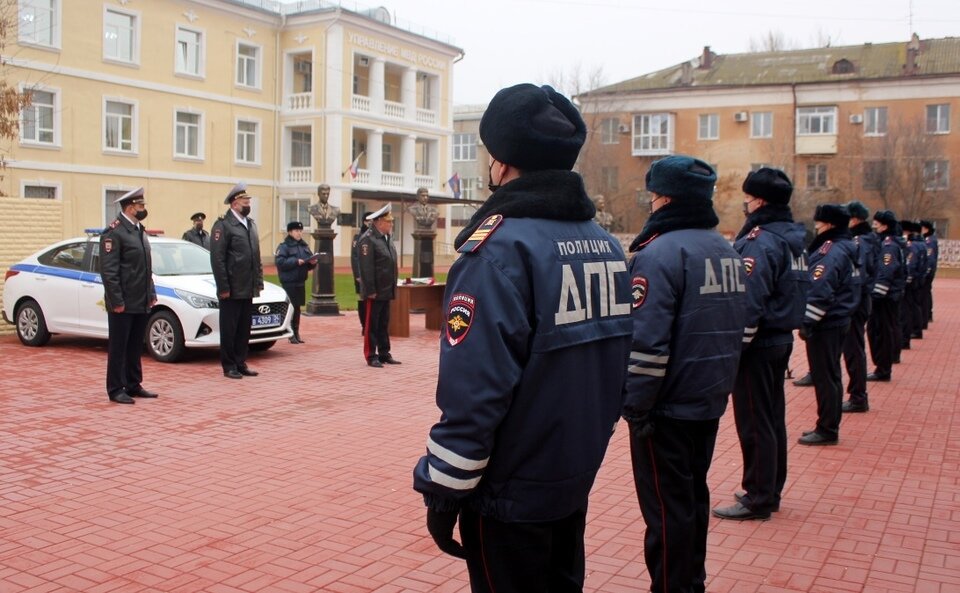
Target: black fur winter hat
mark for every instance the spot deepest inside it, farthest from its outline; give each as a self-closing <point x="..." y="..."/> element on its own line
<point x="768" y="184"/>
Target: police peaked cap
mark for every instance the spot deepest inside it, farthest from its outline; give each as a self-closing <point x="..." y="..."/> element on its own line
<point x="198" y="216"/>
<point x="681" y="177"/>
<point x="134" y="196"/>
<point x="834" y="214"/>
<point x="295" y="225"/>
<point x="384" y="213"/>
<point x="768" y="184"/>
<point x="533" y="128"/>
<point x="239" y="190"/>
<point x="858" y="210"/>
<point x="886" y="217"/>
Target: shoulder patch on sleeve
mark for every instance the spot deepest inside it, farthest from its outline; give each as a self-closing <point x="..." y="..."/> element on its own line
<point x="818" y="271"/>
<point x="364" y="249"/>
<point x="754" y="233"/>
<point x="887" y="259"/>
<point x="638" y="287"/>
<point x="482" y="233"/>
<point x="888" y="240"/>
<point x="108" y="245"/>
<point x="748" y="263"/>
<point x="825" y="248"/>
<point x="217" y="233"/>
<point x="460" y="314"/>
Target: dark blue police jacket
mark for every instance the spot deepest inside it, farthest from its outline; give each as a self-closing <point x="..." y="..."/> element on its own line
<point x="933" y="255"/>
<point x="689" y="314"/>
<point x="869" y="245"/>
<point x="532" y="363"/>
<point x="916" y="261"/>
<point x="775" y="263"/>
<point x="835" y="286"/>
<point x="891" y="274"/>
<point x="286" y="257"/>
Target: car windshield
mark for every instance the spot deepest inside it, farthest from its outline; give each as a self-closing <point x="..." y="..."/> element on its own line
<point x="179" y="259"/>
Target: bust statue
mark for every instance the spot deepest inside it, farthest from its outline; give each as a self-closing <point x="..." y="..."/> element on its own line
<point x="322" y="211"/>
<point x="423" y="213"/>
<point x="603" y="218"/>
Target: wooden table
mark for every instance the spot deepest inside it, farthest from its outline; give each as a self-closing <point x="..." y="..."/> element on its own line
<point x="416" y="296"/>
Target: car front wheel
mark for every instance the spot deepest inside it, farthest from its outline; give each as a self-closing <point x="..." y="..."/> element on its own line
<point x="31" y="326"/>
<point x="164" y="337"/>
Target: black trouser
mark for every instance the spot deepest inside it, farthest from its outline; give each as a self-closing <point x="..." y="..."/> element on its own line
<point x="235" y="333"/>
<point x="927" y="302"/>
<point x="362" y="313"/>
<point x="670" y="474"/>
<point x="855" y="353"/>
<point x="916" y="309"/>
<point x="824" y="346"/>
<point x="376" y="330"/>
<point x="759" y="412"/>
<point x="524" y="557"/>
<point x="125" y="333"/>
<point x="297" y="299"/>
<point x="883" y="330"/>
<point x="909" y="310"/>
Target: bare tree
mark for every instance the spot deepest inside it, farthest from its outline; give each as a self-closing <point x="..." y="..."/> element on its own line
<point x="12" y="101"/>
<point x="772" y="41"/>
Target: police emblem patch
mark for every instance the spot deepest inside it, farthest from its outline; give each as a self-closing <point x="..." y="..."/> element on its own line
<point x="748" y="265"/>
<point x="887" y="258"/>
<point x="216" y="235"/>
<point x="459" y="317"/>
<point x="639" y="289"/>
<point x="818" y="271"/>
<point x="108" y="245"/>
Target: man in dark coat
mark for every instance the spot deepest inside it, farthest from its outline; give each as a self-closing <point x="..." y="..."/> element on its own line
<point x="883" y="327"/>
<point x="929" y="230"/>
<point x="294" y="261"/>
<point x="377" y="262"/>
<point x="197" y="234"/>
<point x="854" y="345"/>
<point x="129" y="294"/>
<point x="238" y="271"/>
<point x="355" y="268"/>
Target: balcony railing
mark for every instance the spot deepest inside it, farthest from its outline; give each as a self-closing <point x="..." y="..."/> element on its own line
<point x="389" y="179"/>
<point x="363" y="177"/>
<point x="425" y="116"/>
<point x="426" y="181"/>
<point x="299" y="174"/>
<point x="361" y="103"/>
<point x="300" y="101"/>
<point x="394" y="109"/>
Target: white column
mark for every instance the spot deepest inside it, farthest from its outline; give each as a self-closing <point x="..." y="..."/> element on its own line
<point x="377" y="85"/>
<point x="408" y="149"/>
<point x="375" y="153"/>
<point x="408" y="92"/>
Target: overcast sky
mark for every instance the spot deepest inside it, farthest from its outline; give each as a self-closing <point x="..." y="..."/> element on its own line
<point x="511" y="41"/>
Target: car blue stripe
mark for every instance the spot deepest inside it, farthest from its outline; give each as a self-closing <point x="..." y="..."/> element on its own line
<point x="81" y="275"/>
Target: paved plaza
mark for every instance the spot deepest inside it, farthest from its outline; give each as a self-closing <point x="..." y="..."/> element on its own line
<point x="299" y="480"/>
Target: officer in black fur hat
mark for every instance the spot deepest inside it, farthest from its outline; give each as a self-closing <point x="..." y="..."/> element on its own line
<point x="911" y="310"/>
<point x="854" y="346"/>
<point x="883" y="327"/>
<point x="929" y="231"/>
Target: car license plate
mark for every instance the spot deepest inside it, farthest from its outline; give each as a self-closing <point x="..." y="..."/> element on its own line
<point x="266" y="320"/>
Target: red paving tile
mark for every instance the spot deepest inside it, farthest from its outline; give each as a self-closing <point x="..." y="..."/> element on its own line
<point x="299" y="480"/>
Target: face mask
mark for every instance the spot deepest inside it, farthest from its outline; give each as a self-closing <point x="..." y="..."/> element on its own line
<point x="491" y="185"/>
<point x="140" y="214"/>
<point x="746" y="209"/>
<point x="244" y="210"/>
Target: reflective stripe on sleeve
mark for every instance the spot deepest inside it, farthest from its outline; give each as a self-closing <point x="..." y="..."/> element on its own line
<point x="454" y="459"/>
<point x="438" y="477"/>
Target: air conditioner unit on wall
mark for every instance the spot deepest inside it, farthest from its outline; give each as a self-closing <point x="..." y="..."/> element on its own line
<point x="741" y="116"/>
<point x="364" y="61"/>
<point x="623" y="129"/>
<point x="856" y="118"/>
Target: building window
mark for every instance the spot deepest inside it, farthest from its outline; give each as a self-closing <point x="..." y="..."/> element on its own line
<point x="610" y="179"/>
<point x="248" y="65"/>
<point x="120" y="36"/>
<point x="816" y="121"/>
<point x="296" y="209"/>
<point x="460" y="215"/>
<point x="300" y="148"/>
<point x="936" y="175"/>
<point x="709" y="128"/>
<point x="248" y="136"/>
<point x="610" y="131"/>
<point x="938" y="119"/>
<point x="464" y="147"/>
<point x="468" y="188"/>
<point x="118" y="122"/>
<point x="875" y="121"/>
<point x="189" y="51"/>
<point x="817" y="176"/>
<point x="386" y="154"/>
<point x="40" y="22"/>
<point x="189" y="140"/>
<point x="754" y="167"/>
<point x="110" y="208"/>
<point x="40" y="192"/>
<point x="874" y="175"/>
<point x="761" y="124"/>
<point x="652" y="134"/>
<point x="39" y="119"/>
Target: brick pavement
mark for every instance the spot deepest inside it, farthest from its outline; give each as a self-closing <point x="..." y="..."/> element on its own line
<point x="299" y="480"/>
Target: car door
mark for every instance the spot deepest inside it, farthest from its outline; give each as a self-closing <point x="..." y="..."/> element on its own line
<point x="91" y="307"/>
<point x="55" y="284"/>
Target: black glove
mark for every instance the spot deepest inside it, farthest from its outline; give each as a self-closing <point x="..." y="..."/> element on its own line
<point x="641" y="425"/>
<point x="804" y="334"/>
<point x="440" y="525"/>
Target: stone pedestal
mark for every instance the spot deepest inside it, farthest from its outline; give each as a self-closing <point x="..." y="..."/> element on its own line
<point x="423" y="253"/>
<point x="323" y="297"/>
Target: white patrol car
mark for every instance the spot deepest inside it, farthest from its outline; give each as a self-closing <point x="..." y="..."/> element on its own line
<point x="58" y="290"/>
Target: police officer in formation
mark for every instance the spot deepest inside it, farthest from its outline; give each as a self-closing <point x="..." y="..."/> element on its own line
<point x="854" y="346"/>
<point x="377" y="263"/>
<point x="911" y="311"/>
<point x="834" y="296"/>
<point x="129" y="294"/>
<point x="929" y="231"/>
<point x="238" y="272"/>
<point x="689" y="314"/>
<point x="532" y="360"/>
<point x="196" y="234"/>
<point x="294" y="261"/>
<point x="772" y="247"/>
<point x="883" y="327"/>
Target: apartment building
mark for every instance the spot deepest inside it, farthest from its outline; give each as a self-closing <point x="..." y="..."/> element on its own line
<point x="874" y="122"/>
<point x="469" y="162"/>
<point x="188" y="97"/>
